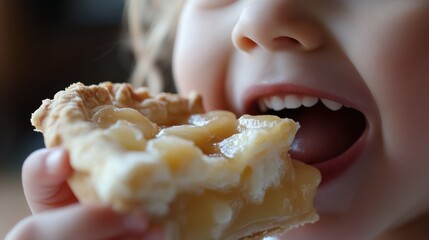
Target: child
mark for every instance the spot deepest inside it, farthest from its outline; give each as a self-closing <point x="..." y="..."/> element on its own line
<point x="353" y="73"/>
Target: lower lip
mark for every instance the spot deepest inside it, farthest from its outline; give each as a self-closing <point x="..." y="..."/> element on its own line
<point x="333" y="168"/>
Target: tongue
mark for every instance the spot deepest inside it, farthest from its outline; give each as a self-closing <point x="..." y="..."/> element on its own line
<point x="324" y="134"/>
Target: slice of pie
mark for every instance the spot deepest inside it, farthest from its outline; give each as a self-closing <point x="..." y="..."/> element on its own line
<point x="202" y="175"/>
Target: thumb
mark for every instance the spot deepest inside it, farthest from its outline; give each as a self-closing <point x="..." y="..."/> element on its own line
<point x="44" y="178"/>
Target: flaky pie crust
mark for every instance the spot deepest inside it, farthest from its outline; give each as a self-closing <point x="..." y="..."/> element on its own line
<point x="203" y="175"/>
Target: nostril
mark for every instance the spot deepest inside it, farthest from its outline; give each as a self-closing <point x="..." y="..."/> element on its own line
<point x="287" y="41"/>
<point x="246" y="44"/>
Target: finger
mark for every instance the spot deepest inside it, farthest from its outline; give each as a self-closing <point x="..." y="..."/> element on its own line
<point x="79" y="222"/>
<point x="44" y="177"/>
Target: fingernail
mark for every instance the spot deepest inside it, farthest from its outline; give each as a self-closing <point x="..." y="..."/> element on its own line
<point x="135" y="222"/>
<point x="53" y="160"/>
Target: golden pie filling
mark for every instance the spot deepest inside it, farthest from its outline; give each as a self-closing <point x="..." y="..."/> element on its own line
<point x="200" y="175"/>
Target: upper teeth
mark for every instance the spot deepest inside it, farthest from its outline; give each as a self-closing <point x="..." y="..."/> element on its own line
<point x="293" y="101"/>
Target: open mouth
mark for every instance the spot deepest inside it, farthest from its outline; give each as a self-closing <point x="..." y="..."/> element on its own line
<point x="328" y="128"/>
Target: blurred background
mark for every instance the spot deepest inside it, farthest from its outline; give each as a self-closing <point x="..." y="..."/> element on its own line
<point x="46" y="45"/>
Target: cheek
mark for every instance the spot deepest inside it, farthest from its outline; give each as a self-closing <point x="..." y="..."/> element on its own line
<point x="201" y="56"/>
<point x="392" y="57"/>
<point x="394" y="62"/>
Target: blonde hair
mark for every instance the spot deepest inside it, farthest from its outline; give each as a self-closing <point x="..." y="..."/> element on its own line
<point x="151" y="27"/>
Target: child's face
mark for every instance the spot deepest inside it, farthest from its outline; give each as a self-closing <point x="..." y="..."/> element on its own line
<point x="369" y="55"/>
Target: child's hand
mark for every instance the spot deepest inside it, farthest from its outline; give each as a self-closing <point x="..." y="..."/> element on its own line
<point x="58" y="215"/>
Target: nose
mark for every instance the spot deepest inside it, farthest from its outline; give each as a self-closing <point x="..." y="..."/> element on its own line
<point x="276" y="25"/>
